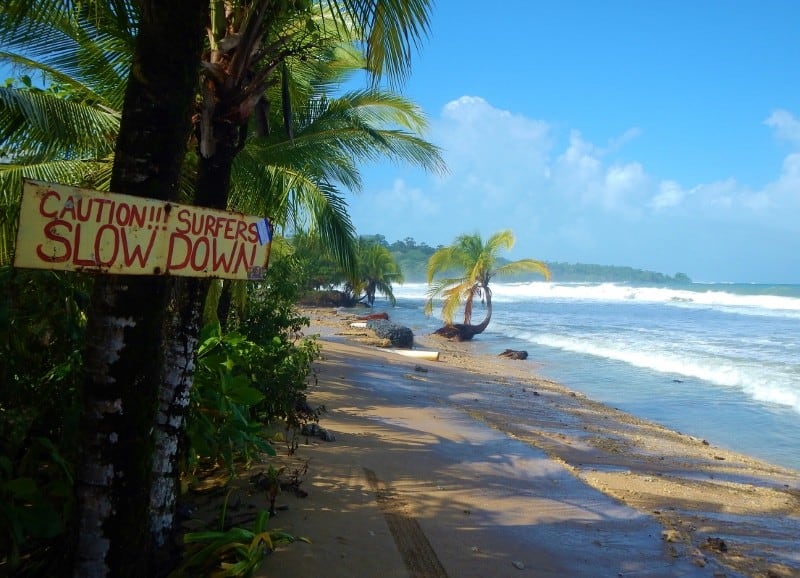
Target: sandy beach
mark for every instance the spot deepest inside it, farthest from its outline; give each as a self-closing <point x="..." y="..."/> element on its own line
<point x="432" y="475"/>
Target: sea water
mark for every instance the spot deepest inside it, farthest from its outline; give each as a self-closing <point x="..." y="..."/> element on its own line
<point x="715" y="361"/>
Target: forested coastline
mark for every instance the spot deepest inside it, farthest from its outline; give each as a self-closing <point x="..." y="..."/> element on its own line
<point x="412" y="258"/>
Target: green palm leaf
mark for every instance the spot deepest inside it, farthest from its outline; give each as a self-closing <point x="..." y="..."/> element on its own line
<point x="476" y="262"/>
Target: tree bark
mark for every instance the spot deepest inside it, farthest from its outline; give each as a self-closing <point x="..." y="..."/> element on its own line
<point x="124" y="333"/>
<point x="178" y="365"/>
<point x="182" y="330"/>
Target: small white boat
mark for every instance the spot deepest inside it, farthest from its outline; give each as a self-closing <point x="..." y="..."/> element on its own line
<point x="418" y="353"/>
<point x="359" y="324"/>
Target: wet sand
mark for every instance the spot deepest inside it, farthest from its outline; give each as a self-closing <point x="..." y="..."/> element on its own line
<point x="471" y="466"/>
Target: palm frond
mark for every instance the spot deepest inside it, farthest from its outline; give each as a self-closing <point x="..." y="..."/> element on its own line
<point x="84" y="47"/>
<point x="39" y="126"/>
<point x="392" y="29"/>
<point x="478" y="262"/>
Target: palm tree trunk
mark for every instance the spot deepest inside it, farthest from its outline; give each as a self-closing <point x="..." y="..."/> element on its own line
<point x="178" y="365"/>
<point x="124" y="334"/>
<point x="180" y="343"/>
<point x="481" y="327"/>
<point x="113" y="479"/>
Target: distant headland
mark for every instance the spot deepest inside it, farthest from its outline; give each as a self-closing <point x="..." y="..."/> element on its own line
<point x="412" y="257"/>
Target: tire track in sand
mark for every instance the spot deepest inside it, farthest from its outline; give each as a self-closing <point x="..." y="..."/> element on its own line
<point x="417" y="553"/>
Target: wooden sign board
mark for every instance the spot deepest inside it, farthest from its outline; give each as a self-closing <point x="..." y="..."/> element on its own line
<point x="72" y="229"/>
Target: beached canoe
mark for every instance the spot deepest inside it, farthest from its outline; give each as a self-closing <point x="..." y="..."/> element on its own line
<point x="417" y="353"/>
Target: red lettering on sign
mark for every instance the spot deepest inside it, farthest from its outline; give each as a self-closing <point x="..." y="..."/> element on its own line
<point x="69" y="209"/>
<point x="211" y="227"/>
<point x="183" y="219"/>
<point x="135" y="254"/>
<point x="98" y="245"/>
<point x="172" y="241"/>
<point x="200" y="258"/>
<point x="47" y="196"/>
<point x="52" y="234"/>
<point x="223" y="261"/>
<point x="76" y="258"/>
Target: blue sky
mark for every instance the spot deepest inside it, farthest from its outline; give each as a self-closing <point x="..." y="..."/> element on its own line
<point x="662" y="135"/>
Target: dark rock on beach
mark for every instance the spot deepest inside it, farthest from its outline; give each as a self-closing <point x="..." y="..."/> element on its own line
<point x="514" y="354"/>
<point x="397" y="335"/>
<point x="314" y="430"/>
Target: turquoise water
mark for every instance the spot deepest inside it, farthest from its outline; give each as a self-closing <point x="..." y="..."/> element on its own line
<point x="717" y="361"/>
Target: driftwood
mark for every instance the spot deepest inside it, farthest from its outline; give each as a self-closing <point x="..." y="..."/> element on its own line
<point x="458" y="331"/>
<point x="514" y="354"/>
<point x="382" y="315"/>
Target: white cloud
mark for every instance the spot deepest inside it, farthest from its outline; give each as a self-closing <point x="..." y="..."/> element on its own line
<point x="578" y="169"/>
<point x="783" y="195"/>
<point x="670" y="194"/>
<point x="498" y="156"/>
<point x="573" y="199"/>
<point x="402" y="200"/>
<point x="623" y="186"/>
<point x="489" y="150"/>
<point x="785" y="126"/>
<point x="629" y="135"/>
<point x="580" y="173"/>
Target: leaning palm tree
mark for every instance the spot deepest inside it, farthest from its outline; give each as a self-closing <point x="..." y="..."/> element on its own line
<point x="473" y="265"/>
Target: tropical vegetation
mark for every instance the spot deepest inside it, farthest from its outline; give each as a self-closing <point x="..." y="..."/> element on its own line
<point x="119" y="109"/>
<point x="375" y="272"/>
<point x="460" y="274"/>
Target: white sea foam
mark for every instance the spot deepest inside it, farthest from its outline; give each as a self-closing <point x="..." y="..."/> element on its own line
<point x="730" y="349"/>
<point x="699" y="296"/>
<point x="760" y="382"/>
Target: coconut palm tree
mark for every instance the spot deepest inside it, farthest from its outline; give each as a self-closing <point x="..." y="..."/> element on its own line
<point x="124" y="362"/>
<point x="469" y="265"/>
<point x="377" y="270"/>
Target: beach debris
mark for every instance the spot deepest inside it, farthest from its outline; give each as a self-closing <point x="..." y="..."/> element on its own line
<point x="398" y="335"/>
<point x="671" y="535"/>
<point x="420" y="369"/>
<point x="425" y="354"/>
<point x="514" y="354"/>
<point x="314" y="430"/>
<point x="716" y="544"/>
<point x="370" y="316"/>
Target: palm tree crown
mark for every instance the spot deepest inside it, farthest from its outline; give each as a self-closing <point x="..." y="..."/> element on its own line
<point x="377" y="270"/>
<point x="469" y="265"/>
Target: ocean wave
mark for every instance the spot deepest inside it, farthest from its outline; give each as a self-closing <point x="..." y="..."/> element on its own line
<point x="759" y="381"/>
<point x="735" y="299"/>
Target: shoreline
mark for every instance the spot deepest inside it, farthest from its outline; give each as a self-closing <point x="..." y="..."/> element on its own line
<point x="705" y="511"/>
